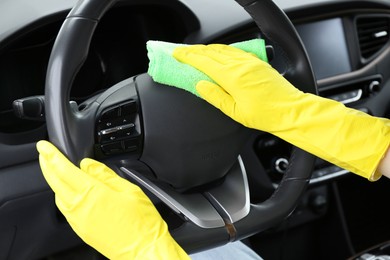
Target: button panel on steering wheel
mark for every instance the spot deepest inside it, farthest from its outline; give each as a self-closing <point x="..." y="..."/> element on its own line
<point x="118" y="129"/>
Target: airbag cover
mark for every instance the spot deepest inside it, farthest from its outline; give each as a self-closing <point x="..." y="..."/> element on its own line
<point x="187" y="142"/>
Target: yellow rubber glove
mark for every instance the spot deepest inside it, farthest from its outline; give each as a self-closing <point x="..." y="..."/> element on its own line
<point x="109" y="213"/>
<point x="251" y="92"/>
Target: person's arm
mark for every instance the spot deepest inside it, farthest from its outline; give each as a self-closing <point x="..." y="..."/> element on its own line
<point x="251" y="92"/>
<point x="108" y="212"/>
<point x="384" y="165"/>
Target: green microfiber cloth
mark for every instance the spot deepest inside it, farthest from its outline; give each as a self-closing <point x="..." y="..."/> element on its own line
<point x="165" y="69"/>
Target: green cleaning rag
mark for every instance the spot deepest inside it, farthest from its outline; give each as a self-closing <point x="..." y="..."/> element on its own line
<point x="165" y="69"/>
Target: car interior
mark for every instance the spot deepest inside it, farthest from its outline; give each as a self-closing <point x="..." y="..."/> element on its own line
<point x="75" y="73"/>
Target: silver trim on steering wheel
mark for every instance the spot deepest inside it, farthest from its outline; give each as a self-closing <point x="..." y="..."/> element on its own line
<point x="216" y="207"/>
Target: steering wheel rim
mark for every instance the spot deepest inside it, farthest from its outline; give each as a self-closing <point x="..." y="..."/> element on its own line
<point x="72" y="132"/>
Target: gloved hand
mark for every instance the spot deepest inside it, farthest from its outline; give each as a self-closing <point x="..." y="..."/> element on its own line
<point x="251" y="92"/>
<point x="109" y="213"/>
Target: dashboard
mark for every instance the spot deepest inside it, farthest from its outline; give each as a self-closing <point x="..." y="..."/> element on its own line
<point x="348" y="44"/>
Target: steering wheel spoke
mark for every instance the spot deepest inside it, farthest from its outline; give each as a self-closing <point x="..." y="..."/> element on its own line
<point x="118" y="125"/>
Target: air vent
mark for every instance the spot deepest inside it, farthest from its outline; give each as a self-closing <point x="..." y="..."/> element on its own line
<point x="373" y="33"/>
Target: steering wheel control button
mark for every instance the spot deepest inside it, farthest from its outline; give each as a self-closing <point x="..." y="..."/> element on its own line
<point x="125" y="132"/>
<point x="118" y="129"/>
<point x="128" y="108"/>
<point x="130" y="145"/>
<point x="112" y="148"/>
<point x="111" y="113"/>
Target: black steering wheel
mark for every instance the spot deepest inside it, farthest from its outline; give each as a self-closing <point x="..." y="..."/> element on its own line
<point x="173" y="144"/>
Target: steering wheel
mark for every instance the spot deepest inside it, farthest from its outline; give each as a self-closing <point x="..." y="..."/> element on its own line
<point x="171" y="143"/>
